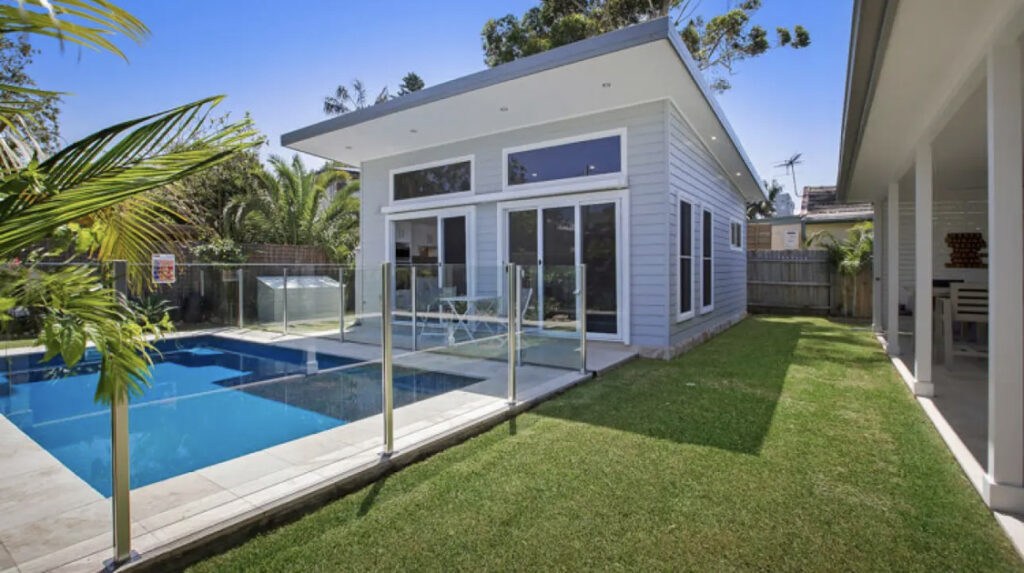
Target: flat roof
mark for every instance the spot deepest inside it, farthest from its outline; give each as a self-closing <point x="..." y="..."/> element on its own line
<point x="620" y="68"/>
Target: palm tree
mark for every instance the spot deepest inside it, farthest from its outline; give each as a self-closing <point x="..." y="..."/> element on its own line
<point x="849" y="256"/>
<point x="344" y="101"/>
<point x="299" y="206"/>
<point x="765" y="207"/>
<point x="91" y="180"/>
<point x="790" y="166"/>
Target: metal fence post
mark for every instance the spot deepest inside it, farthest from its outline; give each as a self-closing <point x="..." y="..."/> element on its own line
<point x="284" y="309"/>
<point x="581" y="314"/>
<point x="341" y="320"/>
<point x="412" y="279"/>
<point x="512" y="304"/>
<point x="121" y="474"/>
<point x="239" y="276"/>
<point x="385" y="364"/>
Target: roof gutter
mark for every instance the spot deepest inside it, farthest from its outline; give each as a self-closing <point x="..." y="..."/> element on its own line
<point x="872" y="25"/>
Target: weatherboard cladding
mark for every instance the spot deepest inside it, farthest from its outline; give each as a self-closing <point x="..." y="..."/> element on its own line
<point x="663" y="155"/>
<point x="694" y="172"/>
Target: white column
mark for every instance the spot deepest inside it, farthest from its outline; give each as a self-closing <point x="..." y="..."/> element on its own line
<point x="876" y="269"/>
<point x="892" y="260"/>
<point x="923" y="271"/>
<point x="1005" y="479"/>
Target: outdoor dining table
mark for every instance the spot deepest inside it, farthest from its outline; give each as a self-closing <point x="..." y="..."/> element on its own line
<point x="466" y="318"/>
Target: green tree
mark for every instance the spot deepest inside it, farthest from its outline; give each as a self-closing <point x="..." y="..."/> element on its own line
<point x="344" y="101"/>
<point x="716" y="43"/>
<point x="40" y="196"/>
<point x="849" y="256"/>
<point x="412" y="82"/>
<point x="16" y="55"/>
<point x="765" y="207"/>
<point x="203" y="198"/>
<point x="299" y="206"/>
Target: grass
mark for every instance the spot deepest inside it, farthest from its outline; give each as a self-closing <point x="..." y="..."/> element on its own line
<point x="782" y="444"/>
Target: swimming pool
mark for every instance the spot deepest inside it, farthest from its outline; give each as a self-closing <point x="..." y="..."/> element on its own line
<point x="212" y="399"/>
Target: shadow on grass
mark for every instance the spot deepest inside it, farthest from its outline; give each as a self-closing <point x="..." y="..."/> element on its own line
<point x="722" y="394"/>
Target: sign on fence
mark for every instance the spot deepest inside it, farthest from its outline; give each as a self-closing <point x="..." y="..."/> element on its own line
<point x="163" y="269"/>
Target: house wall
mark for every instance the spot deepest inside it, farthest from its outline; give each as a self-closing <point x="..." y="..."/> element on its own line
<point x="694" y="172"/>
<point x="645" y="155"/>
<point x="779" y="236"/>
<point x="948" y="216"/>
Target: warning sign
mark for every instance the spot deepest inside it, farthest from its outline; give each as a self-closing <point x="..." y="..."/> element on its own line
<point x="163" y="269"/>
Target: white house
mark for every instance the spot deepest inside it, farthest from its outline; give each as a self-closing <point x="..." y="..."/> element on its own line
<point x="609" y="152"/>
<point x="932" y="137"/>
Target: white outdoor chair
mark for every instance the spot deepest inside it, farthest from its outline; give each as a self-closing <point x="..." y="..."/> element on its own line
<point x="968" y="305"/>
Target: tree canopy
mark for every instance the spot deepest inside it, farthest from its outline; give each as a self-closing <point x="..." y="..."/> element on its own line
<point x="716" y="43"/>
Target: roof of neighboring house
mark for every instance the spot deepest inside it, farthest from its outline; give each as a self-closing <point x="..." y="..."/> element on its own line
<point x="783" y="220"/>
<point x="820" y="204"/>
<point x="642" y="63"/>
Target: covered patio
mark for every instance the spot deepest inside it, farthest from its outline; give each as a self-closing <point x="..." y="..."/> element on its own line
<point x="933" y="138"/>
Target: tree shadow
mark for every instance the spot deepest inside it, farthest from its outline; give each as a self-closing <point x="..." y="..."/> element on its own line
<point x="722" y="394"/>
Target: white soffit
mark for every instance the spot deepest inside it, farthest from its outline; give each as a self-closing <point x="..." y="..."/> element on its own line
<point x="923" y="83"/>
<point x="648" y="72"/>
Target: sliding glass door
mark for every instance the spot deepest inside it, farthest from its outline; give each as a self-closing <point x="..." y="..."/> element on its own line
<point x="549" y="243"/>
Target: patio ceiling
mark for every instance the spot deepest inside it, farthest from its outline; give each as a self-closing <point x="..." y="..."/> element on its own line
<point x="916" y="74"/>
<point x="639" y="64"/>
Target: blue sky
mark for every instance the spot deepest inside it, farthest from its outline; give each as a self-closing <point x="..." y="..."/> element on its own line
<point x="278" y="60"/>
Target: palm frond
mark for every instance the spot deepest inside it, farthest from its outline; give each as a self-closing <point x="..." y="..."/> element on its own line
<point x="110" y="166"/>
<point x="88" y="23"/>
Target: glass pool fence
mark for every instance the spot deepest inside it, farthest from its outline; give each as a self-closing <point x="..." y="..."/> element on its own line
<point x="276" y="379"/>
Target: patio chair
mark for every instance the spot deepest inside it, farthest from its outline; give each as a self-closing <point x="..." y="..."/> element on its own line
<point x="968" y="305"/>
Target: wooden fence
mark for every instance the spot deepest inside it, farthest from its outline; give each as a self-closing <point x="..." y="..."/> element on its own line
<point x="803" y="282"/>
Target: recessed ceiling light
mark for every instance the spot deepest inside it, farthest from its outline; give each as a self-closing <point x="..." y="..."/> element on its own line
<point x="504" y="108"/>
<point x="348" y="147"/>
<point x="413" y="131"/>
<point x="738" y="174"/>
<point x="606" y="85"/>
<point x="714" y="138"/>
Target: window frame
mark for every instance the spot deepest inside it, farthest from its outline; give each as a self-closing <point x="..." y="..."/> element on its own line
<point x="706" y="308"/>
<point x="426" y="201"/>
<point x="694" y="208"/>
<point x="740" y="234"/>
<point x="571" y="184"/>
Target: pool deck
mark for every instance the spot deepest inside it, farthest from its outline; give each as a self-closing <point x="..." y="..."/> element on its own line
<point x="53" y="520"/>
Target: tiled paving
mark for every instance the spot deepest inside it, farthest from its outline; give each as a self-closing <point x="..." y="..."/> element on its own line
<point x="54" y="520"/>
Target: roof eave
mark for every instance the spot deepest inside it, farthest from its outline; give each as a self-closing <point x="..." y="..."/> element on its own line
<point x="869" y="35"/>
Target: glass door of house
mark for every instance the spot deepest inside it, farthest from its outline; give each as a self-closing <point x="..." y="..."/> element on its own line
<point x="549" y="243"/>
<point x="434" y="249"/>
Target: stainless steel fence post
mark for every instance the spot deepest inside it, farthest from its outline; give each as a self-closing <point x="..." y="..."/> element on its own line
<point x="121" y="474"/>
<point x="512" y="305"/>
<point x="412" y="280"/>
<point x="341" y="321"/>
<point x="385" y="364"/>
<point x="519" y="314"/>
<point x="284" y="308"/>
<point x="239" y="276"/>
<point x="581" y="314"/>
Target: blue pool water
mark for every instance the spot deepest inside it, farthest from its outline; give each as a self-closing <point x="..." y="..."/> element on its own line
<point x="212" y="399"/>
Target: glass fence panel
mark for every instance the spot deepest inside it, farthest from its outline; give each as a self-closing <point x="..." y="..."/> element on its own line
<point x="549" y="330"/>
<point x="450" y="348"/>
<point x="238" y="419"/>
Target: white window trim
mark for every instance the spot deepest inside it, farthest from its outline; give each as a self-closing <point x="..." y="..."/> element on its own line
<point x="426" y="201"/>
<point x="704" y="309"/>
<point x="742" y="234"/>
<point x="621" y="197"/>
<point x="571" y="184"/>
<point x="468" y="212"/>
<point x="694" y="209"/>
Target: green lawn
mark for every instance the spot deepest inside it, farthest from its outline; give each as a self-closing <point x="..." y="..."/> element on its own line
<point x="783" y="444"/>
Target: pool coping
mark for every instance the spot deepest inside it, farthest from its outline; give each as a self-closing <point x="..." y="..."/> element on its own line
<point x="173" y="513"/>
